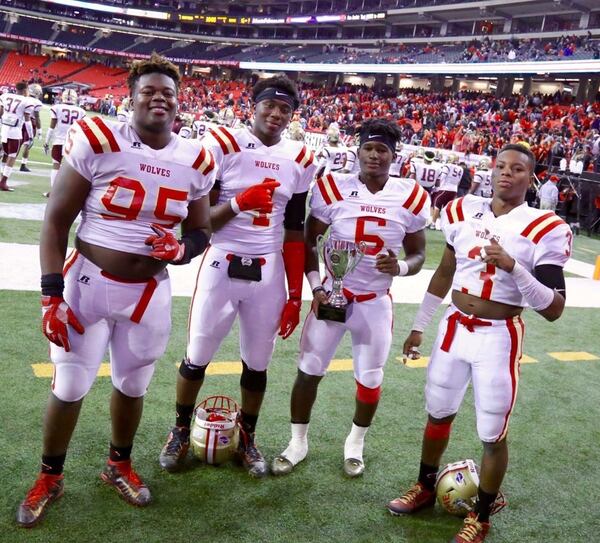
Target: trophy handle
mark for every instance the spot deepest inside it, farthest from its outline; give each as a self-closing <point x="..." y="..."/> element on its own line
<point x="359" y="253"/>
<point x="321" y="250"/>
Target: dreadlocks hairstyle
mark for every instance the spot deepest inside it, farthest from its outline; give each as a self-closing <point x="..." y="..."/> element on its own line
<point x="519" y="147"/>
<point x="155" y="64"/>
<point x="389" y="129"/>
<point x="279" y="81"/>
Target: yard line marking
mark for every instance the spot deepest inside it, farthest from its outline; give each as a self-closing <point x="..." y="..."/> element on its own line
<point x="528" y="360"/>
<point x="586" y="250"/>
<point x="418" y="363"/>
<point x="573" y="356"/>
<point x="46" y="369"/>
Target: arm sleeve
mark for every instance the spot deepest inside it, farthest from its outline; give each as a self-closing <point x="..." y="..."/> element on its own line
<point x="79" y="153"/>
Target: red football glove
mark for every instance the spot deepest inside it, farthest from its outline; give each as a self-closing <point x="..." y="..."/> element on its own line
<point x="56" y="315"/>
<point x="165" y="245"/>
<point x="257" y="197"/>
<point x="290" y="317"/>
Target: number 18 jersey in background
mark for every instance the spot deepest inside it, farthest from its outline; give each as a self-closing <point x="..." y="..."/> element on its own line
<point x="242" y="161"/>
<point x="531" y="236"/>
<point x="381" y="220"/>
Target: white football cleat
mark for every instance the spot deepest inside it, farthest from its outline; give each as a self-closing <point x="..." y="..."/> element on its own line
<point x="353" y="467"/>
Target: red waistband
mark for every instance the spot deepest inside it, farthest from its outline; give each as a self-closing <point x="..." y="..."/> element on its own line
<point x="468" y="321"/>
<point x="358" y="298"/>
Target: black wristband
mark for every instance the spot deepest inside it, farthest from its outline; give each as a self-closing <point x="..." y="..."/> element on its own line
<point x="195" y="241"/>
<point x="320" y="288"/>
<point x="53" y="284"/>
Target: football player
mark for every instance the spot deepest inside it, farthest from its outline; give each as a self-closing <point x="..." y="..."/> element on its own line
<point x="133" y="184"/>
<point x="482" y="180"/>
<point x="426" y="172"/>
<point x="450" y="176"/>
<point x="501" y="256"/>
<point x="62" y="117"/>
<point x="388" y="215"/>
<point x="15" y="112"/>
<point x="399" y="162"/>
<point x="352" y="163"/>
<point x="257" y="216"/>
<point x="123" y="111"/>
<point x="332" y="156"/>
<point x="34" y="93"/>
<point x="200" y="127"/>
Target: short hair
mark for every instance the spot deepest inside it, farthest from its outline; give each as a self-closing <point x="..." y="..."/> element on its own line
<point x="278" y="81"/>
<point x="21" y="86"/>
<point x="520" y="148"/>
<point x="154" y="65"/>
<point x="389" y="129"/>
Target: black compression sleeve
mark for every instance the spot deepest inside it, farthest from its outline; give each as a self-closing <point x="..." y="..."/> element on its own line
<point x="295" y="212"/>
<point x="551" y="276"/>
<point x="195" y="242"/>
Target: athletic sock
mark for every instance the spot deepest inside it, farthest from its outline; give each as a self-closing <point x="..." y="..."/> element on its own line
<point x="297" y="448"/>
<point x="248" y="422"/>
<point x="183" y="415"/>
<point x="428" y="475"/>
<point x="355" y="442"/>
<point x="484" y="504"/>
<point x="53" y="465"/>
<point x="120" y="454"/>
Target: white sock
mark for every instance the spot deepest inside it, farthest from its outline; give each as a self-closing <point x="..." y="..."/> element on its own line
<point x="53" y="174"/>
<point x="355" y="442"/>
<point x="24" y="161"/>
<point x="7" y="171"/>
<point x="297" y="448"/>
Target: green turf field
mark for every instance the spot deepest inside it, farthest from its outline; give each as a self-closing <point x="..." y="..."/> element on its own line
<point x="551" y="484"/>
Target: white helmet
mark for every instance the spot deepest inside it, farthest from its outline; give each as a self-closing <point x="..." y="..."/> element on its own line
<point x="452" y="158"/>
<point x="484" y="164"/>
<point x="69" y="96"/>
<point x="295" y="131"/>
<point x="333" y="134"/>
<point x="215" y="432"/>
<point x="35" y="90"/>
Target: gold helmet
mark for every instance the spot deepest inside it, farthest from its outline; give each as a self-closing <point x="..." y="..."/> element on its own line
<point x="215" y="433"/>
<point x="484" y="164"/>
<point x="35" y="90"/>
<point x="295" y="131"/>
<point x="69" y="96"/>
<point x="452" y="158"/>
<point x="456" y="487"/>
<point x="333" y="134"/>
<point x="420" y="153"/>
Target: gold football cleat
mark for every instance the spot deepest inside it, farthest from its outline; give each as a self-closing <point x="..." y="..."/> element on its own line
<point x="281" y="465"/>
<point x="353" y="467"/>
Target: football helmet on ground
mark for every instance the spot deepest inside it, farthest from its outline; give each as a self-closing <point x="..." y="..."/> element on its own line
<point x="215" y="431"/>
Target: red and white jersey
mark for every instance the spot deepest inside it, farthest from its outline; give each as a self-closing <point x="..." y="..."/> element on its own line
<point x="426" y="173"/>
<point x="352" y="162"/>
<point x="450" y="177"/>
<point x="381" y="220"/>
<point x="398" y="163"/>
<point x="243" y="160"/>
<point x="332" y="158"/>
<point x="133" y="185"/>
<point x="14" y="108"/>
<point x="200" y="128"/>
<point x="65" y="115"/>
<point x="531" y="236"/>
<point x="484" y="178"/>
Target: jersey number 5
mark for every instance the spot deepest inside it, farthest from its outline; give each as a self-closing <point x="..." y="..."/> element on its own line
<point x="374" y="243"/>
<point x="486" y="275"/>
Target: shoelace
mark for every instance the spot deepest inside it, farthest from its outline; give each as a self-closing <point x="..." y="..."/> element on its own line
<point x="176" y="443"/>
<point x="42" y="487"/>
<point x="412" y="494"/>
<point x="470" y="529"/>
<point x="128" y="473"/>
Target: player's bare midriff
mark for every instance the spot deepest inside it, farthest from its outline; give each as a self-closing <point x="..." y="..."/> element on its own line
<point x="484" y="309"/>
<point x="125" y="265"/>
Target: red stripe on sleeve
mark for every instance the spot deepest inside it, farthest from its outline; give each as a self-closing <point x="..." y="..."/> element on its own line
<point x="547" y="229"/>
<point x="220" y="141"/>
<point x="459" y="210"/>
<point x="112" y="142"/>
<point x="539" y="220"/>
<point x="231" y="139"/>
<point x="96" y="147"/>
<point x="301" y="155"/>
<point x="412" y="197"/>
<point x="321" y="186"/>
<point x="334" y="188"/>
<point x="421" y="203"/>
<point x="199" y="159"/>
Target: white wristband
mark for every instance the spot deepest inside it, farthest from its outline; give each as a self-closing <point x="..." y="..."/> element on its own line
<point x="426" y="310"/>
<point x="314" y="279"/>
<point x="402" y="267"/>
<point x="234" y="205"/>
<point x="537" y="295"/>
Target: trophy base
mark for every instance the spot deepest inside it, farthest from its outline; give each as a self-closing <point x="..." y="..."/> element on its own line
<point x="331" y="313"/>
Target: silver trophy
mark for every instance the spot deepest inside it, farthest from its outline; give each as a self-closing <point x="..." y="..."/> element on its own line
<point x="340" y="258"/>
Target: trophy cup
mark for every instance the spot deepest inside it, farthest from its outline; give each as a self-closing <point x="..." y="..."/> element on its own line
<point x="340" y="258"/>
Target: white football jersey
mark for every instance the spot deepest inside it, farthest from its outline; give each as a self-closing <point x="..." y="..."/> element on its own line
<point x="426" y="174"/>
<point x="15" y="106"/>
<point x="484" y="178"/>
<point x="123" y="115"/>
<point x="450" y="176"/>
<point x="200" y="128"/>
<point x="185" y="132"/>
<point x="398" y="163"/>
<point x="36" y="105"/>
<point x="381" y="220"/>
<point x="243" y="160"/>
<point x="332" y="158"/>
<point x="531" y="236"/>
<point x="65" y="115"/>
<point x="352" y="162"/>
<point x="133" y="185"/>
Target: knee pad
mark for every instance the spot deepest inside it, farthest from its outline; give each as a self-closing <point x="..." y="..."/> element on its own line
<point x="438" y="431"/>
<point x="256" y="381"/>
<point x="367" y="395"/>
<point x="72" y="382"/>
<point x="135" y="382"/>
<point x="188" y="371"/>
